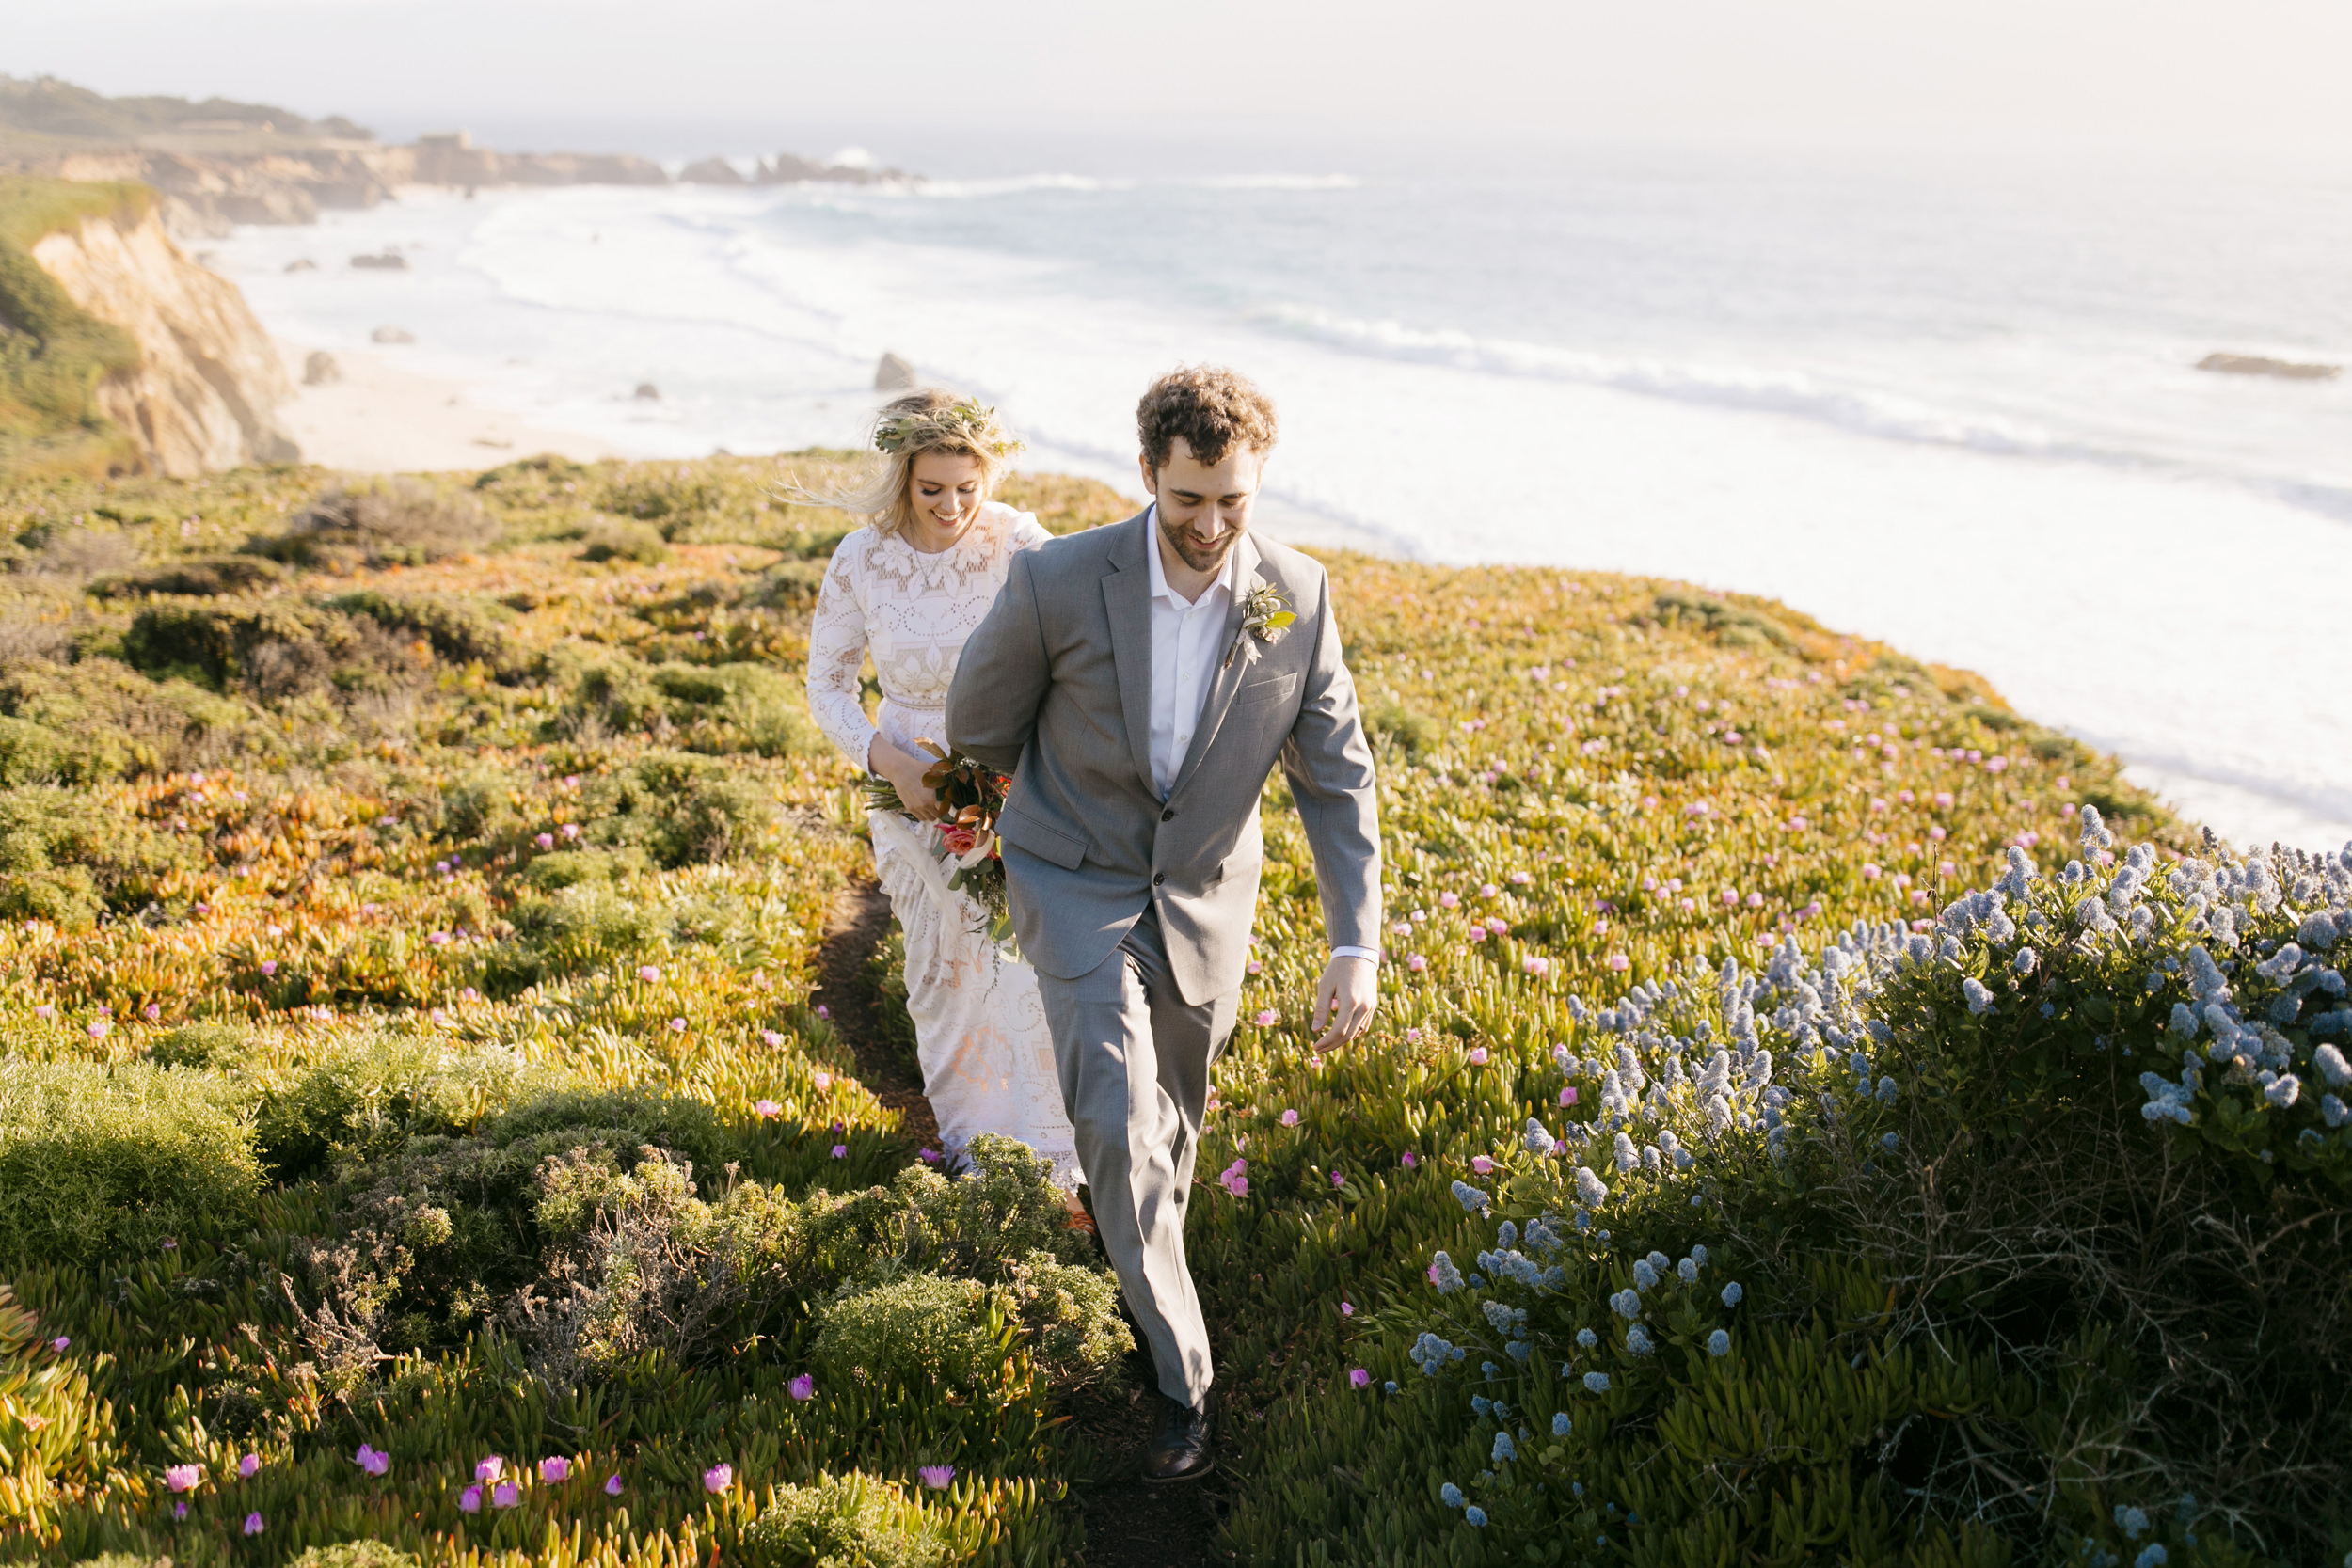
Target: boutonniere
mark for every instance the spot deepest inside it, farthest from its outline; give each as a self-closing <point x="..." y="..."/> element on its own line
<point x="1266" y="616"/>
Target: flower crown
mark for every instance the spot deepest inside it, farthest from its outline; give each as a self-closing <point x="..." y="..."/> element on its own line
<point x="959" y="424"/>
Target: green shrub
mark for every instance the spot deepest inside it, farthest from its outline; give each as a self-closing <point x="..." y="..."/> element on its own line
<point x="96" y="1161"/>
<point x="584" y="928"/>
<point x="396" y="520"/>
<point x="604" y="694"/>
<point x="367" y="1097"/>
<point x="1071" y="1317"/>
<point x="614" y="539"/>
<point x="922" y="1331"/>
<point x="67" y="860"/>
<point x="461" y="629"/>
<point x="854" y="1521"/>
<point x="356" y="1554"/>
<point x="680" y="809"/>
<point x="740" y="707"/>
<point x="104" y="720"/>
<point x="557" y="869"/>
<point x="201" y="1045"/>
<point x="31" y="754"/>
<point x="1410" y="733"/>
<point x="203" y="577"/>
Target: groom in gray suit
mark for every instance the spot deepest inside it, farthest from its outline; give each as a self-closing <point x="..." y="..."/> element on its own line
<point x="1141" y="680"/>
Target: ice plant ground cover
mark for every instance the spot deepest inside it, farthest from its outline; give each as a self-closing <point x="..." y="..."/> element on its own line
<point x="410" y="1063"/>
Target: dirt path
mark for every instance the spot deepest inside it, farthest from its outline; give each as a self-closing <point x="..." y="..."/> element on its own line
<point x="1129" y="1523"/>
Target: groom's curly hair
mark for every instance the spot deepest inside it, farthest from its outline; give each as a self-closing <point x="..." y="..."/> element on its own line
<point x="1212" y="408"/>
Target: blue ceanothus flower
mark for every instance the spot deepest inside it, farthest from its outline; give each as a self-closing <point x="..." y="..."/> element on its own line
<point x="1732" y="1294"/>
<point x="1597" y="1383"/>
<point x="1470" y="1199"/>
<point x="1561" y="1425"/>
<point x="1450" y="1495"/>
<point x="1718" y="1344"/>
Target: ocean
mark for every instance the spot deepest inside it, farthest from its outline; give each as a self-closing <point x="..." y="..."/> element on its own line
<point x="1946" y="403"/>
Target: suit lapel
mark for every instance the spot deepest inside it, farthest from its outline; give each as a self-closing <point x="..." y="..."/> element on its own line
<point x="1127" y="597"/>
<point x="1225" y="678"/>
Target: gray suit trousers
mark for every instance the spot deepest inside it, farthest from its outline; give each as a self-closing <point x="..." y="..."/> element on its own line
<point x="1134" y="1060"/>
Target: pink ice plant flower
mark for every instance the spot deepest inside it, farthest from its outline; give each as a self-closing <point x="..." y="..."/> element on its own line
<point x="182" y="1477"/>
<point x="1265" y="1018"/>
<point x="841" y="1152"/>
<point x="769" y="1038"/>
<point x="766" y="1108"/>
<point x="612" y="1484"/>
<point x="1537" y="964"/>
<point x="505" y="1495"/>
<point x="554" y="1468"/>
<point x="1476" y="1055"/>
<point x="544" y="841"/>
<point x="253" y="1525"/>
<point x="490" y="1468"/>
<point x="1234" y="1177"/>
<point x="249" y="1466"/>
<point x="1359" y="1378"/>
<point x="937" y="1477"/>
<point x="1290" y="1118"/>
<point x="1408" y="1160"/>
<point x="1348" y="1309"/>
<point x="1482" y="1166"/>
<point x="803" y="1387"/>
<point x="1568" y="1096"/>
<point x="469" y="1500"/>
<point x="374" y="1461"/>
<point x="718" y="1478"/>
<point x="1416" y="963"/>
<point x="824" y="1081"/>
<point x="61" y="1343"/>
<point x="648" y="974"/>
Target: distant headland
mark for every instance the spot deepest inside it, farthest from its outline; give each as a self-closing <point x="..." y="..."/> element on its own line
<point x="216" y="163"/>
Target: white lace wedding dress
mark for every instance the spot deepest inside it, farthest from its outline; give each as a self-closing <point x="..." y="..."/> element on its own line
<point x="979" y="1026"/>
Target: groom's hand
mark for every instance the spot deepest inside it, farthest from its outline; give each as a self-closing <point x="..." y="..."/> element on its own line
<point x="1346" y="995"/>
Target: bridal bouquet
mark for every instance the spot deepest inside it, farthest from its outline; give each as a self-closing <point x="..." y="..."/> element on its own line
<point x="970" y="794"/>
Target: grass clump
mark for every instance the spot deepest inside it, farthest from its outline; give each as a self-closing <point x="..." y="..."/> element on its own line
<point x="383" y="521"/>
<point x="96" y="1161"/>
<point x="853" y="1521"/>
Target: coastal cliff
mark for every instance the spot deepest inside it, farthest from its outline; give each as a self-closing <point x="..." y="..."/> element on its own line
<point x="192" y="381"/>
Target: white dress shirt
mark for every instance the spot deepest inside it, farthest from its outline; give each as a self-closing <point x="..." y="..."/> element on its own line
<point x="1186" y="647"/>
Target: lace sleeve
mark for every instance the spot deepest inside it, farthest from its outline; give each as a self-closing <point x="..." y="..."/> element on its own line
<point x="837" y="649"/>
<point x="1028" y="533"/>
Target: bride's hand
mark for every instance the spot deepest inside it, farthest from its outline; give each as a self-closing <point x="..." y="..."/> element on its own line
<point x="905" y="771"/>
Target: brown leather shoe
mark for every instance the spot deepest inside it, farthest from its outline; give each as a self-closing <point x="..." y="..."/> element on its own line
<point x="1180" y="1449"/>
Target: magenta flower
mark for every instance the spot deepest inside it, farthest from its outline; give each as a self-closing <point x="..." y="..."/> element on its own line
<point x="769" y="1038"/>
<point x="612" y="1484"/>
<point x="841" y="1152"/>
<point x="766" y="1108"/>
<point x="249" y="1466"/>
<point x="648" y="974"/>
<point x="1338" y="1181"/>
<point x="677" y="1026"/>
<point x="1415" y="963"/>
<point x="553" y="1469"/>
<point x="1234" y="1180"/>
<point x="253" y="1525"/>
<point x="1265" y="1018"/>
<point x="505" y="1495"/>
<point x="937" y="1477"/>
<point x="929" y="1156"/>
<point x="1359" y="1378"/>
<point x="822" y="1079"/>
<point x="98" y="1028"/>
<point x="803" y="1387"/>
<point x="1408" y="1160"/>
<point x="45" y="1010"/>
<point x="1449" y="900"/>
<point x="182" y="1477"/>
<point x="718" y="1478"/>
<point x="60" y="1343"/>
<point x="373" y="1461"/>
<point x="154" y="1011"/>
<point x="1537" y="965"/>
<point x="571" y="829"/>
<point x="179" y="1510"/>
<point x="823" y="1011"/>
<point x="1620" y="963"/>
<point x="1348" y="1309"/>
<point x="469" y="1500"/>
<point x="490" y="1468"/>
<point x="1568" y="1096"/>
<point x="1290" y="1118"/>
<point x="544" y="841"/>
<point x="1476" y="1055"/>
<point x="1483" y="1165"/>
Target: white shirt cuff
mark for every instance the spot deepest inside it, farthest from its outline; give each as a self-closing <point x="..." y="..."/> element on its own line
<point x="1371" y="953"/>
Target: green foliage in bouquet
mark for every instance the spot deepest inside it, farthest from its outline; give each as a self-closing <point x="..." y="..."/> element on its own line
<point x="971" y="796"/>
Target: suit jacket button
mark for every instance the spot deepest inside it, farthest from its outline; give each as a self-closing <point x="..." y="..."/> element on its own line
<point x="1158" y="878"/>
<point x="1168" y="816"/>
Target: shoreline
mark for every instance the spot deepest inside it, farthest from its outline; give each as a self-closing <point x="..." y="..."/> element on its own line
<point x="380" y="418"/>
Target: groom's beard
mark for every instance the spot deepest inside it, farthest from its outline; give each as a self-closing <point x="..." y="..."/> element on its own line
<point x="1188" y="551"/>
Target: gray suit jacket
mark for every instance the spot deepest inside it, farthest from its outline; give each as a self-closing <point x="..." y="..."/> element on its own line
<point x="1055" y="684"/>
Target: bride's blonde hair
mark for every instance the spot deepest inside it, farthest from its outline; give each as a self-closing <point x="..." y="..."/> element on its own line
<point x="928" y="419"/>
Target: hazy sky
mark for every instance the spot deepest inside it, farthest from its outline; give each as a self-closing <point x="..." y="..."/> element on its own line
<point x="2168" y="75"/>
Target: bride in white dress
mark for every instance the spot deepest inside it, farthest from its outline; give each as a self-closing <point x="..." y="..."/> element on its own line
<point x="908" y="587"/>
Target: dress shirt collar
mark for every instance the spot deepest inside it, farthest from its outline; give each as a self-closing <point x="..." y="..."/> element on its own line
<point x="1160" y="589"/>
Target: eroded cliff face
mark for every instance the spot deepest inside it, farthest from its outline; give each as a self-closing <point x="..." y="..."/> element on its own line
<point x="205" y="392"/>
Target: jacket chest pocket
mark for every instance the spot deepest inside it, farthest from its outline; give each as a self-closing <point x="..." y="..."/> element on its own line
<point x="1270" y="688"/>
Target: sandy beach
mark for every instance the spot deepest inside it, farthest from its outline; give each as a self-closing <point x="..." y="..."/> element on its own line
<point x="381" y="419"/>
